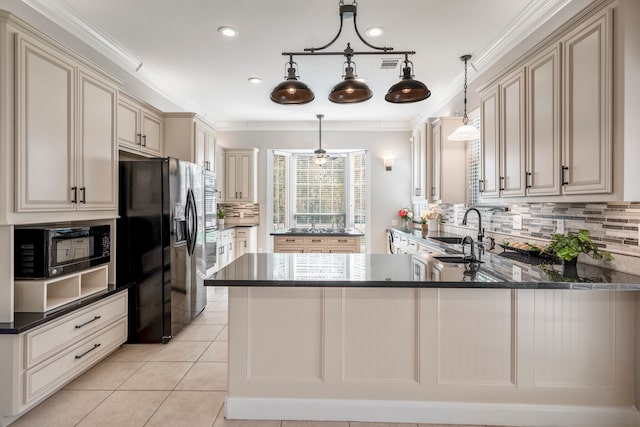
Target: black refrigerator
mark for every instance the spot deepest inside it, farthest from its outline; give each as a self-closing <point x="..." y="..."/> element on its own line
<point x="160" y="245"/>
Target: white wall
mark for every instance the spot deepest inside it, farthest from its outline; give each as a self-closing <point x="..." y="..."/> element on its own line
<point x="389" y="190"/>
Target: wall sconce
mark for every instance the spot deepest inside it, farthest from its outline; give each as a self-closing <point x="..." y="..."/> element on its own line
<point x="388" y="164"/>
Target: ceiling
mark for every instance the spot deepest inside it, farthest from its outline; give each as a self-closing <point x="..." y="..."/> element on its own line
<point x="185" y="58"/>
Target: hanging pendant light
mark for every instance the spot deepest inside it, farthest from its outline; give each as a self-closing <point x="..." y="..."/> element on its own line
<point x="466" y="132"/>
<point x="350" y="90"/>
<point x="321" y="155"/>
<point x="292" y="91"/>
<point x="407" y="90"/>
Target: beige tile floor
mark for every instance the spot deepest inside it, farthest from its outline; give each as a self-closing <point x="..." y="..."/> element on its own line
<point x="182" y="383"/>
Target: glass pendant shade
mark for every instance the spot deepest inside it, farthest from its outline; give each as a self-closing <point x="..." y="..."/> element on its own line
<point x="464" y="133"/>
<point x="320" y="160"/>
<point x="292" y="91"/>
<point x="350" y="90"/>
<point x="407" y="90"/>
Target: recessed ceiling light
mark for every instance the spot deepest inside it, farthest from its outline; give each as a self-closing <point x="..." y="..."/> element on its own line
<point x="228" y="31"/>
<point x="255" y="80"/>
<point x="374" y="32"/>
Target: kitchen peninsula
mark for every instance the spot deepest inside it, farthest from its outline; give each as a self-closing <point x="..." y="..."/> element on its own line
<point x="414" y="338"/>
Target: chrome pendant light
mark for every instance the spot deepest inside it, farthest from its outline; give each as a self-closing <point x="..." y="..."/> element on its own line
<point x="350" y="90"/>
<point x="321" y="155"/>
<point x="466" y="132"/>
<point x="292" y="90"/>
<point x="407" y="90"/>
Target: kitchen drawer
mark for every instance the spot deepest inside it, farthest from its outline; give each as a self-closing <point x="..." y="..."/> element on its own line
<point x="343" y="240"/>
<point x="292" y="240"/>
<point x="59" y="369"/>
<point x="242" y="233"/>
<point x="48" y="340"/>
<point x="412" y="246"/>
<point x="315" y="240"/>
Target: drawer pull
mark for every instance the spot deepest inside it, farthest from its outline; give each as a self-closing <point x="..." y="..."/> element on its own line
<point x="342" y="241"/>
<point x="88" y="321"/>
<point x="316" y="240"/>
<point x="289" y="240"/>
<point x="80" y="356"/>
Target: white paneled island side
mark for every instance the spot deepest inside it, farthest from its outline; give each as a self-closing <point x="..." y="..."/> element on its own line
<point x="365" y="337"/>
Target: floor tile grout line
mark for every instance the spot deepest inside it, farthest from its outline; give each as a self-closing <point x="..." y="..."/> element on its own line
<point x="91" y="411"/>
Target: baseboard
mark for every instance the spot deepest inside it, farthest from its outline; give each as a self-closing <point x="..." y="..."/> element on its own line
<point x="524" y="415"/>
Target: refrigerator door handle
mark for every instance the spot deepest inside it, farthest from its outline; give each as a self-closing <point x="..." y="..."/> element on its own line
<point x="192" y="222"/>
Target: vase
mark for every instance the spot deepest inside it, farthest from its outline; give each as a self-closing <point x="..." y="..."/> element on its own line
<point x="425" y="230"/>
<point x="220" y="222"/>
<point x="406" y="225"/>
<point x="433" y="225"/>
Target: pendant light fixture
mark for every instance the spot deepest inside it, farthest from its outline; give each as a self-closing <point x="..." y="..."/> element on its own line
<point x="292" y="90"/>
<point x="350" y="90"/>
<point x="321" y="155"/>
<point x="407" y="90"/>
<point x="466" y="132"/>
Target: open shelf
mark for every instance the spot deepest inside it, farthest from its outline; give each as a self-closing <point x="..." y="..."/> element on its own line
<point x="44" y="295"/>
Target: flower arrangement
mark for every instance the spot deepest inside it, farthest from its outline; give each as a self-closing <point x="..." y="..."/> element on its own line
<point x="427" y="215"/>
<point x="406" y="215"/>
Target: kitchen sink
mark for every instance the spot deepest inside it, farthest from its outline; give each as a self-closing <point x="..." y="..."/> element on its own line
<point x="456" y="259"/>
<point x="447" y="239"/>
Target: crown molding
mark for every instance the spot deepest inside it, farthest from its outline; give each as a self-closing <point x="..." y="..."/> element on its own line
<point x="343" y="126"/>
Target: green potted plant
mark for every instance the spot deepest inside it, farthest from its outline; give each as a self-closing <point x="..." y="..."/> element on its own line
<point x="568" y="246"/>
<point x="221" y="214"/>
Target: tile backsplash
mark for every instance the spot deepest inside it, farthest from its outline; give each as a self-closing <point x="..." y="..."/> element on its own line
<point x="613" y="226"/>
<point x="239" y="213"/>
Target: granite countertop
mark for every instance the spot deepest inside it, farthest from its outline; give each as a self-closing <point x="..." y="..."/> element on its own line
<point x="386" y="270"/>
<point x="24" y="321"/>
<point x="319" y="231"/>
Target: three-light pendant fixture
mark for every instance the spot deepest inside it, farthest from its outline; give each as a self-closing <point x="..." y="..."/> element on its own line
<point x="350" y="90"/>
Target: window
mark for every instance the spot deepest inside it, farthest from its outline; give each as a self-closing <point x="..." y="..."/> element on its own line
<point x="332" y="195"/>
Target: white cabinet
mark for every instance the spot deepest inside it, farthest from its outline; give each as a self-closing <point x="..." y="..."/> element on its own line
<point x="221" y="180"/>
<point x="419" y="162"/>
<point x="241" y="175"/>
<point x="512" y="135"/>
<point x="448" y="159"/>
<point x="587" y="107"/>
<point x="543" y="118"/>
<point x="188" y="137"/>
<point x="140" y="127"/>
<point x="43" y="359"/>
<point x="66" y="143"/>
<point x="547" y="125"/>
<point x="246" y="240"/>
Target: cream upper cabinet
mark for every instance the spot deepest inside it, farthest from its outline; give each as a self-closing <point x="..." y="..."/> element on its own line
<point x="512" y="135"/>
<point x="419" y="162"/>
<point x="140" y="127"/>
<point x="543" y="118"/>
<point x="241" y="175"/>
<point x="447" y="163"/>
<point x="587" y="107"/>
<point x="220" y="170"/>
<point x="490" y="142"/>
<point x="182" y="128"/>
<point x="66" y="155"/>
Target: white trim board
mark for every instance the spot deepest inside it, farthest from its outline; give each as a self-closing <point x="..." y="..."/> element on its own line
<point x="525" y="415"/>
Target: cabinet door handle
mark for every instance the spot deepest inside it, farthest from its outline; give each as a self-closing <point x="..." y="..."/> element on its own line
<point x="87" y="322"/>
<point x="564" y="175"/>
<point x="83" y="199"/>
<point x="80" y="356"/>
<point x="480" y="185"/>
<point x="433" y="191"/>
<point x="527" y="179"/>
<point x="144" y="140"/>
<point x="139" y="138"/>
<point x="241" y="195"/>
<point x="74" y="198"/>
<point x="245" y="244"/>
<point x="502" y="183"/>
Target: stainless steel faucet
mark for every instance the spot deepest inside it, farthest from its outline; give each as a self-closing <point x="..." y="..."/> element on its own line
<point x="480" y="229"/>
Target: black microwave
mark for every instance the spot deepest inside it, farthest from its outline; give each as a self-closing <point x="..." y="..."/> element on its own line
<point x="43" y="252"/>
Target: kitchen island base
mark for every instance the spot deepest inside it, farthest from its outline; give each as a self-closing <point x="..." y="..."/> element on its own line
<point x="466" y="356"/>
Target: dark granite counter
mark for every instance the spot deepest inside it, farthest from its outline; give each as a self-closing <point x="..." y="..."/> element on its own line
<point x="412" y="271"/>
<point x="22" y="322"/>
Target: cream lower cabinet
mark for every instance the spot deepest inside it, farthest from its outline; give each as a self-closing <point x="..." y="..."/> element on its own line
<point x="65" y="131"/>
<point x="140" y="127"/>
<point x="182" y="128"/>
<point x="246" y="240"/>
<point x="42" y="360"/>
<point x="317" y="244"/>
